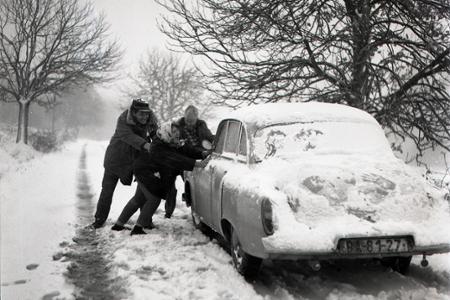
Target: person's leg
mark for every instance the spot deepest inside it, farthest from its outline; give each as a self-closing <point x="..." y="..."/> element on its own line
<point x="147" y="211"/>
<point x="131" y="207"/>
<point x="109" y="184"/>
<point x="171" y="201"/>
<point x="149" y="207"/>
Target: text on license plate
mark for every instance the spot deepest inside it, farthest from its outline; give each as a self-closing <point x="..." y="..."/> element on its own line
<point x="375" y="245"/>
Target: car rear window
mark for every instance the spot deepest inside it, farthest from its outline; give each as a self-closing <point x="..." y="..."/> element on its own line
<point x="232" y="137"/>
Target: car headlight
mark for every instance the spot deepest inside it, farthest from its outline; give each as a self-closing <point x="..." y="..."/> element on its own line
<point x="267" y="216"/>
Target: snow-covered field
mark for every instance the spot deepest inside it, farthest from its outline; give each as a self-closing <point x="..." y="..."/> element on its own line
<point x="41" y="225"/>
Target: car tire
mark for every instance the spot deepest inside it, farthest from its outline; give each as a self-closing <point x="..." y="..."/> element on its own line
<point x="402" y="264"/>
<point x="246" y="264"/>
<point x="399" y="264"/>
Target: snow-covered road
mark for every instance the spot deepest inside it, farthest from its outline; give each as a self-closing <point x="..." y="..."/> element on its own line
<point x="44" y="223"/>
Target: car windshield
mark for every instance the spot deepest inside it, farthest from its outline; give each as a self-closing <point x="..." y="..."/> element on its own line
<point x="294" y="139"/>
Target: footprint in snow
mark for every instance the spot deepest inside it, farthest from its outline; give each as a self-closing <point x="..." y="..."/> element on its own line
<point x="51" y="295"/>
<point x="21" y="281"/>
<point x="32" y="267"/>
<point x="64" y="244"/>
<point x="58" y="256"/>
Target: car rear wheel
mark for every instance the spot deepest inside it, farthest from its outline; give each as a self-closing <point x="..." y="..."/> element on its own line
<point x="399" y="264"/>
<point x="402" y="264"/>
<point x="246" y="264"/>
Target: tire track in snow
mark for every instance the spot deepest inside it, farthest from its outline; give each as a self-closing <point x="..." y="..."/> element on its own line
<point x="176" y="261"/>
<point x="349" y="280"/>
<point x="91" y="265"/>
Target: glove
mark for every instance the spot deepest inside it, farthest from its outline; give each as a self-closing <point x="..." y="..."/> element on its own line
<point x="146" y="147"/>
<point x="202" y="163"/>
<point x="206" y="153"/>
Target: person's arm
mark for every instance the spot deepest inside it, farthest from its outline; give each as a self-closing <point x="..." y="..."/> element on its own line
<point x="177" y="161"/>
<point x="124" y="132"/>
<point x="207" y="134"/>
<point x="192" y="152"/>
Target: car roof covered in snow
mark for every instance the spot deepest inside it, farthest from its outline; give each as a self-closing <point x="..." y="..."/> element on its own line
<point x="275" y="113"/>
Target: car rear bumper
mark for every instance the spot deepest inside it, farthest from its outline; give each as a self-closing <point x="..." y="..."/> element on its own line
<point x="418" y="250"/>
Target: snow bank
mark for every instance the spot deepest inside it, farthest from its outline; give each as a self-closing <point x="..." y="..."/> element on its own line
<point x="13" y="155"/>
<point x="37" y="196"/>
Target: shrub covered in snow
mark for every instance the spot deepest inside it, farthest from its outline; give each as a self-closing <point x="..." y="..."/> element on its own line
<point x="44" y="141"/>
<point x="11" y="153"/>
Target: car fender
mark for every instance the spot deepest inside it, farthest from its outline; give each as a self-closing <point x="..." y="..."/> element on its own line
<point x="242" y="211"/>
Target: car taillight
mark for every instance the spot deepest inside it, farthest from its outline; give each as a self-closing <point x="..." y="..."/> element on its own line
<point x="267" y="216"/>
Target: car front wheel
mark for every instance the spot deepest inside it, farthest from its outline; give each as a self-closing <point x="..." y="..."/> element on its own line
<point x="246" y="264"/>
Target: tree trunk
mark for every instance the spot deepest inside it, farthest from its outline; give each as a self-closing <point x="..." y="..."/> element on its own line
<point x="359" y="12"/>
<point x="53" y="119"/>
<point x="22" y="128"/>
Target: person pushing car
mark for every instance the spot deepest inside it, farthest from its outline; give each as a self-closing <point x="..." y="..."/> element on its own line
<point x="134" y="130"/>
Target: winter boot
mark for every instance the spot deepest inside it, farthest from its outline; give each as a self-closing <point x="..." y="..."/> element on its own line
<point x="98" y="223"/>
<point x="137" y="230"/>
<point x="151" y="226"/>
<point x="118" y="227"/>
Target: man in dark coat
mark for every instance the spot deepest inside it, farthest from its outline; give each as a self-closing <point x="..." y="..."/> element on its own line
<point x="134" y="130"/>
<point x="156" y="172"/>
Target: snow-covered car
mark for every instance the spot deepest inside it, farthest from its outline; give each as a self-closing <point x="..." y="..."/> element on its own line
<point x="314" y="181"/>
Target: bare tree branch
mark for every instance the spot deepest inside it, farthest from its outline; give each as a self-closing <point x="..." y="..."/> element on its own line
<point x="168" y="85"/>
<point x="49" y="46"/>
<point x="388" y="57"/>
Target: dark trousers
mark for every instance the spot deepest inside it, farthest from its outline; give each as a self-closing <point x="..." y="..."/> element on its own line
<point x="137" y="202"/>
<point x="109" y="184"/>
<point x="151" y="204"/>
<point x="148" y="203"/>
<point x="171" y="201"/>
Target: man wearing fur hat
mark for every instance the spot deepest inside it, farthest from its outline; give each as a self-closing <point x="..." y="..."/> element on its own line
<point x="134" y="130"/>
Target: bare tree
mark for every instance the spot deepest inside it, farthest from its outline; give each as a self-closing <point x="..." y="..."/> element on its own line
<point x="48" y="46"/>
<point x="388" y="57"/>
<point x="167" y="84"/>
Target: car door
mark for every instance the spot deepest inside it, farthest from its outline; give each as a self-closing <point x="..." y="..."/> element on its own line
<point x="203" y="178"/>
<point x="229" y="158"/>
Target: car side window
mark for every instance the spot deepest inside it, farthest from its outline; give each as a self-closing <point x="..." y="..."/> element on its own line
<point x="222" y="132"/>
<point x="243" y="142"/>
<point x="232" y="139"/>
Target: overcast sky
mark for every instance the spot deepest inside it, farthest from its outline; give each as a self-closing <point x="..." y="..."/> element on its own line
<point x="134" y="24"/>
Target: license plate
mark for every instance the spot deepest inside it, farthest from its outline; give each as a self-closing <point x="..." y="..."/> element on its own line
<point x="375" y="245"/>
